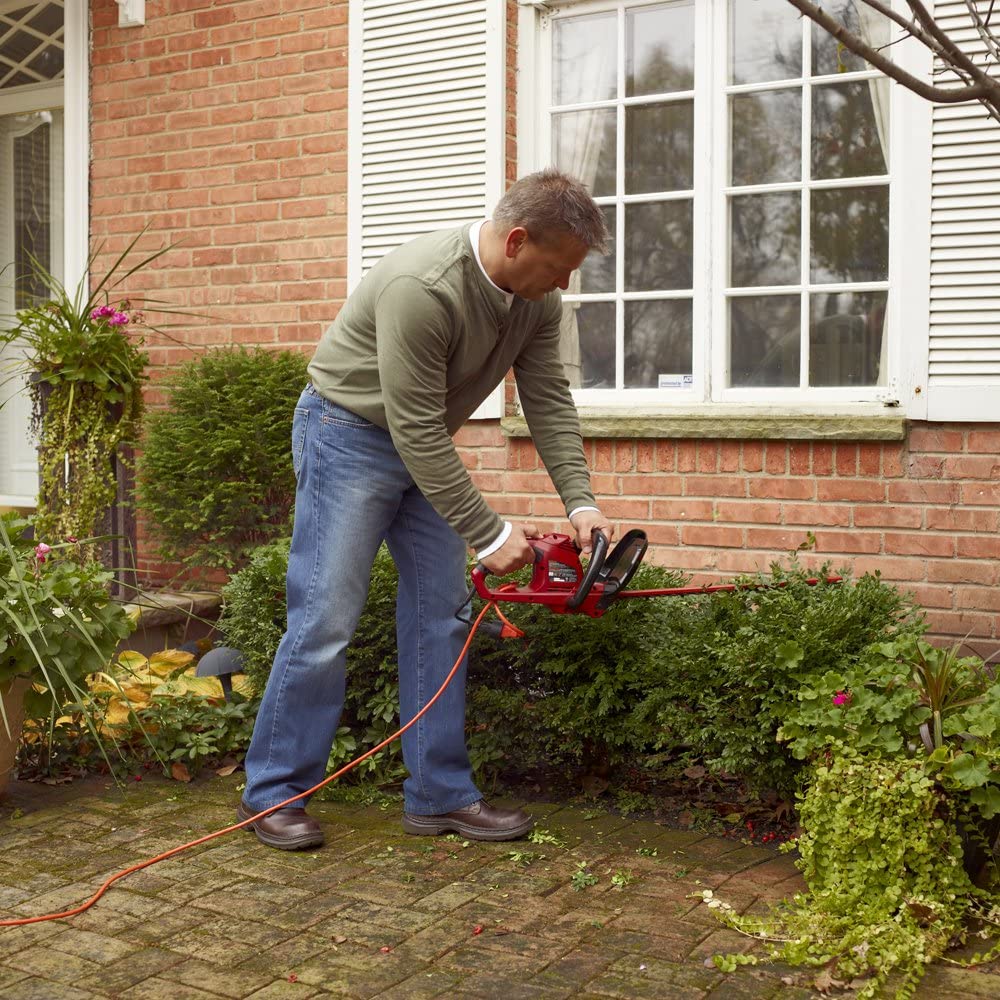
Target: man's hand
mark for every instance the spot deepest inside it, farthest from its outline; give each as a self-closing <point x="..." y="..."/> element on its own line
<point x="584" y="522"/>
<point x="515" y="552"/>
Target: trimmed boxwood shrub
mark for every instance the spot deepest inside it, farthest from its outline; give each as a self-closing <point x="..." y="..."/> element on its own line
<point x="215" y="476"/>
<point x="679" y="680"/>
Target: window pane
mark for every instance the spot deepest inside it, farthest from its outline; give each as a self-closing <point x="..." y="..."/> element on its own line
<point x="584" y="145"/>
<point x="597" y="273"/>
<point x="848" y="136"/>
<point x="33" y="215"/>
<point x="584" y="58"/>
<point x="659" y="46"/>
<point x="850" y="234"/>
<point x="764" y="334"/>
<point x="587" y="344"/>
<point x="767" y="137"/>
<point x="766" y="239"/>
<point x="658" y="148"/>
<point x="766" y="41"/>
<point x="26" y="55"/>
<point x="658" y="246"/>
<point x="845" y="338"/>
<point x="829" y="56"/>
<point x="658" y="344"/>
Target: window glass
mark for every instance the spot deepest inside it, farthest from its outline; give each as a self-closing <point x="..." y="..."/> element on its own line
<point x="765" y="41"/>
<point x="584" y="59"/>
<point x="798" y="268"/>
<point x="766" y="137"/>
<point x="821" y="336"/>
<point x="659" y="47"/>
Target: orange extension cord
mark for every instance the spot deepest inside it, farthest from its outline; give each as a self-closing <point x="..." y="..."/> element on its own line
<point x="252" y="819"/>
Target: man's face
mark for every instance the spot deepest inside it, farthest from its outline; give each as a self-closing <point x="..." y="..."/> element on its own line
<point x="537" y="267"/>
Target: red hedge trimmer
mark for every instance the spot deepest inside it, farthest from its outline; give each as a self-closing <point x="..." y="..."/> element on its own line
<point x="560" y="582"/>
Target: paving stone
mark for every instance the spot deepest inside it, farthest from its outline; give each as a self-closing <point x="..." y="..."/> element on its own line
<point x="93" y="947"/>
<point x="122" y="975"/>
<point x="222" y="980"/>
<point x="282" y="989"/>
<point x="157" y="988"/>
<point x="45" y="989"/>
<point x="421" y="986"/>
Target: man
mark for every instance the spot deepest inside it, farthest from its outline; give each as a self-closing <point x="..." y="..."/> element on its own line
<point x="423" y="340"/>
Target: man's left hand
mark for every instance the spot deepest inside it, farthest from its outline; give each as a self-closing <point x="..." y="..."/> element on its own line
<point x="584" y="522"/>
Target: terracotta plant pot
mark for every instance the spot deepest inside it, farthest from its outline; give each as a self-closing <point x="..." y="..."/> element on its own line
<point x="13" y="705"/>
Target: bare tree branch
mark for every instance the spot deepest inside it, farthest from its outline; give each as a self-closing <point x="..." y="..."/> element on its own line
<point x="976" y="84"/>
<point x="981" y="26"/>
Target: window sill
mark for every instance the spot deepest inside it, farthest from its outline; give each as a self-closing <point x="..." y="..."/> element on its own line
<point x="732" y="423"/>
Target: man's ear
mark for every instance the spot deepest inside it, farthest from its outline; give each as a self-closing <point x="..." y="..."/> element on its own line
<point x="516" y="239"/>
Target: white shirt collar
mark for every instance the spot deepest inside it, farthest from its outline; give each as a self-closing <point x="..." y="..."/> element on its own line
<point x="474" y="237"/>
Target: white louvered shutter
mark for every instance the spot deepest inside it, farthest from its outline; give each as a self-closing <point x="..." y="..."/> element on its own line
<point x="964" y="337"/>
<point x="425" y="142"/>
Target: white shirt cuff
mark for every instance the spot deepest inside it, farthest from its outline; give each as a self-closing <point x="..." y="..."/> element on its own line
<point x="577" y="510"/>
<point x="496" y="543"/>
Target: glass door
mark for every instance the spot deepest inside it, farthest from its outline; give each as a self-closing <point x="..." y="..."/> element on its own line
<point x="32" y="217"/>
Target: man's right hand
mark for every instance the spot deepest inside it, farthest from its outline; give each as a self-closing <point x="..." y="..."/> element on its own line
<point x="515" y="552"/>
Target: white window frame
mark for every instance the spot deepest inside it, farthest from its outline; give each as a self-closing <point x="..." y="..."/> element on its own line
<point x="72" y="93"/>
<point x="909" y="224"/>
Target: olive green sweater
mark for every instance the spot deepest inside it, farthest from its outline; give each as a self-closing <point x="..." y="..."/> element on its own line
<point x="421" y="342"/>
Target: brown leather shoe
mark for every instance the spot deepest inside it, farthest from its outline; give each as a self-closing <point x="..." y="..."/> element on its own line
<point x="286" y="829"/>
<point x="479" y="821"/>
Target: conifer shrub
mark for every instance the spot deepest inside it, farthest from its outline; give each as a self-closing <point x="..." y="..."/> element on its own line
<point x="215" y="476"/>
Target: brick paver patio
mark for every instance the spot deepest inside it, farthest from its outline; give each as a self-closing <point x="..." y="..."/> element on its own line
<point x="375" y="913"/>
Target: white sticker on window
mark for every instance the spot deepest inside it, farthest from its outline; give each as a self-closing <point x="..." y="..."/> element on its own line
<point x="675" y="381"/>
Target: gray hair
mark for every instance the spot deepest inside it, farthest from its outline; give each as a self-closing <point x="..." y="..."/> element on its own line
<point x="550" y="203"/>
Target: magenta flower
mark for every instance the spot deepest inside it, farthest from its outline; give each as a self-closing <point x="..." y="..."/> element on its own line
<point x="102" y="312"/>
<point x="41" y="551"/>
<point x="842" y="698"/>
<point x="118" y="319"/>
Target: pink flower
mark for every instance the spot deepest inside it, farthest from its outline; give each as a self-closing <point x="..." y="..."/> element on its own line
<point x="41" y="551"/>
<point x="118" y="319"/>
<point x="102" y="312"/>
<point x="842" y="698"/>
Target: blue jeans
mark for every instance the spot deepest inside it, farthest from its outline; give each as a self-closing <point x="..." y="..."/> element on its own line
<point x="354" y="491"/>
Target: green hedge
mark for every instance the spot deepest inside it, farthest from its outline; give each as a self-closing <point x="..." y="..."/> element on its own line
<point x="679" y="680"/>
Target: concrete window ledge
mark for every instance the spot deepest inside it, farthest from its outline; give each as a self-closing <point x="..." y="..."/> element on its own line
<point x="707" y="423"/>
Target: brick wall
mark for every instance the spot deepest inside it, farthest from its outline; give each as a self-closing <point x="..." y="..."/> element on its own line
<point x="925" y="513"/>
<point x="221" y="128"/>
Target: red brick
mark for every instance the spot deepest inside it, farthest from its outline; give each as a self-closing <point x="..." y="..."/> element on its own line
<point x="822" y="458"/>
<point x="649" y="484"/>
<point x="859" y="490"/>
<point x="645" y="456"/>
<point x="603" y="457"/>
<point x="662" y="534"/>
<point x="716" y="537"/>
<point x="707" y="457"/>
<point x="980" y="494"/>
<point x="977" y="547"/>
<point x="715" y="486"/>
<point x="919" y="544"/>
<point x="753" y="456"/>
<point x="888" y="516"/>
<point x="776" y="458"/>
<point x="922" y="492"/>
<point x="929" y="596"/>
<point x="666" y="456"/>
<point x="742" y="511"/>
<point x="971" y="467"/>
<point x="896" y="568"/>
<point x="846" y="459"/>
<point x="685" y="509"/>
<point x="961" y="624"/>
<point x="963" y="519"/>
<point x="962" y="571"/>
<point x="925" y="467"/>
<point x="624" y="456"/>
<point x="775" y="539"/>
<point x="782" y="489"/>
<point x="848" y="541"/>
<point x="986" y="440"/>
<point x="892" y="462"/>
<point x="634" y="509"/>
<point x="799" y="458"/>
<point x="934" y="438"/>
<point x="687" y="456"/>
<point x="869" y="459"/>
<point x="817" y="514"/>
<point x="729" y="456"/>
